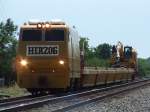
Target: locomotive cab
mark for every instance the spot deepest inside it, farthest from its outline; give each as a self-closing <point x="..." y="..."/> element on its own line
<point x="127" y="52"/>
<point x="45" y="55"/>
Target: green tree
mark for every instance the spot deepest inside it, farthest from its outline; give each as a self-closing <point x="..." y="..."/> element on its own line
<point x="91" y="53"/>
<point x="143" y="67"/>
<point x="96" y="62"/>
<point x="84" y="43"/>
<point x="98" y="56"/>
<point x="84" y="46"/>
<point x="8" y="44"/>
<point x="103" y="51"/>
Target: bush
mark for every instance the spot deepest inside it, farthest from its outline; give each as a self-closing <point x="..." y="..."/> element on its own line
<point x="97" y="62"/>
<point x="143" y="67"/>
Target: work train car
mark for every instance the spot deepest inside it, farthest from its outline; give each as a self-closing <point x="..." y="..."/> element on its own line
<point x="94" y="76"/>
<point x="48" y="58"/>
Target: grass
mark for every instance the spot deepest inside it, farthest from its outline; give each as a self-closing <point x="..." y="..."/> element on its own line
<point x="13" y="91"/>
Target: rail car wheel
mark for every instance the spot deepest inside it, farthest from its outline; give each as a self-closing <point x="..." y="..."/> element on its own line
<point x="74" y="84"/>
<point x="33" y="92"/>
<point x="77" y="84"/>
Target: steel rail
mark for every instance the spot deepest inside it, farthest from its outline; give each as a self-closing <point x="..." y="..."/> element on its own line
<point x="14" y="98"/>
<point x="99" y="98"/>
<point x="35" y="102"/>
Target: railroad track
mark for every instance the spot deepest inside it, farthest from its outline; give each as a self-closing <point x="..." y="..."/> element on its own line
<point x="15" y="98"/>
<point x="67" y="102"/>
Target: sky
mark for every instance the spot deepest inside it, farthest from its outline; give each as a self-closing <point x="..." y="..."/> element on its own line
<point x="102" y="21"/>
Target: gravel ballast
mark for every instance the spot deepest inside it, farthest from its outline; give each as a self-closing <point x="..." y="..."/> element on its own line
<point x="134" y="101"/>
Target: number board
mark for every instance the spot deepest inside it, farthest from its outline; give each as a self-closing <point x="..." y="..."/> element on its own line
<point x="42" y="50"/>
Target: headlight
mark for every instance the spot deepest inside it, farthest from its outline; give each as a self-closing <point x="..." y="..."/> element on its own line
<point x="61" y="62"/>
<point x="23" y="62"/>
<point x="47" y="25"/>
<point x="39" y="25"/>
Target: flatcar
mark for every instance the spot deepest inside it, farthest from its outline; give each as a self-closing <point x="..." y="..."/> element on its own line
<point x="48" y="58"/>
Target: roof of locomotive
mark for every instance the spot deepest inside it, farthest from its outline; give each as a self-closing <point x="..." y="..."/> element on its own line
<point x="51" y="24"/>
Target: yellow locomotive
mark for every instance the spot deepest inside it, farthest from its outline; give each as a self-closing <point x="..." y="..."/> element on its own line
<point x="48" y="58"/>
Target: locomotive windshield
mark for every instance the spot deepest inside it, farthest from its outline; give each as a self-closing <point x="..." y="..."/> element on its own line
<point x="54" y="35"/>
<point x="32" y="35"/>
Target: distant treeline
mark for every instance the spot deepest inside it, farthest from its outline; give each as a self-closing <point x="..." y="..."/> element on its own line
<point x="96" y="56"/>
<point x="101" y="55"/>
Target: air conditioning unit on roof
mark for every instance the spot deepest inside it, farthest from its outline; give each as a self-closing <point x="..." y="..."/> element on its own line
<point x="57" y="22"/>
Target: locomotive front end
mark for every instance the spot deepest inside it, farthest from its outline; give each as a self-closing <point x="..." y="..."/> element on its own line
<point x="42" y="58"/>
